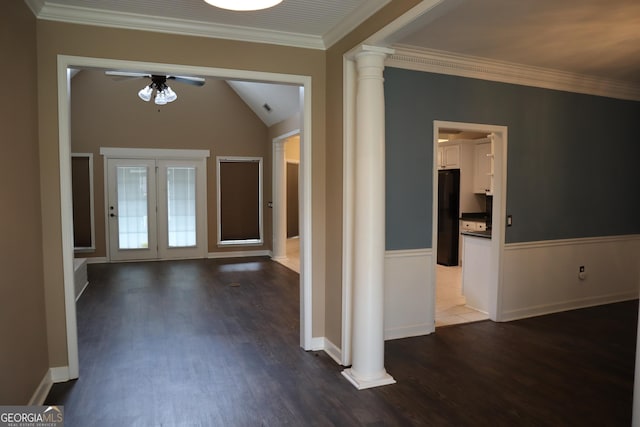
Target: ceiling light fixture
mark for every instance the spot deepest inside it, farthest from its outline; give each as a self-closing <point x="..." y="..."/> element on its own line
<point x="164" y="94"/>
<point x="243" y="5"/>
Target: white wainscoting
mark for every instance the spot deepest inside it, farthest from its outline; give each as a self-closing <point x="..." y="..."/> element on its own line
<point x="542" y="277"/>
<point x="408" y="294"/>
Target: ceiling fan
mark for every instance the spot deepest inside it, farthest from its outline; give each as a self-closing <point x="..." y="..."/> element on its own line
<point x="164" y="94"/>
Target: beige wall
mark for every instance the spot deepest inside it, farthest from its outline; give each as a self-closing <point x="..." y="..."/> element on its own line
<point x="23" y="339"/>
<point x="58" y="38"/>
<point x="292" y="149"/>
<point x="325" y="70"/>
<point x="106" y="112"/>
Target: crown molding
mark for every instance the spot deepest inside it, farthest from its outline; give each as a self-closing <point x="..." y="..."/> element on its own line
<point x="440" y="62"/>
<point x="35" y="5"/>
<point x="353" y="20"/>
<point x="131" y="21"/>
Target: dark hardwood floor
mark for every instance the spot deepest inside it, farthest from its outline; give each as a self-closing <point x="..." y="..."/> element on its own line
<point x="215" y="343"/>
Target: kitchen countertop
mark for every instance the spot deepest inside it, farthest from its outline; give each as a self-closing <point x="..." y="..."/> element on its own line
<point x="485" y="234"/>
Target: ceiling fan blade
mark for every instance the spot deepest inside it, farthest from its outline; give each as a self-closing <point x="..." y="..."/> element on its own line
<point x="195" y="81"/>
<point x="126" y="74"/>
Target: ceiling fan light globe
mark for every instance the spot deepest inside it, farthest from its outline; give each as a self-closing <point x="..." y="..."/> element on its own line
<point x="145" y="93"/>
<point x="170" y="95"/>
<point x="160" y="98"/>
<point x="243" y="5"/>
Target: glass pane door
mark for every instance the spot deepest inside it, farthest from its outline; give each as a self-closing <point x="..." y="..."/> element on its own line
<point x="181" y="206"/>
<point x="131" y="210"/>
<point x="182" y="209"/>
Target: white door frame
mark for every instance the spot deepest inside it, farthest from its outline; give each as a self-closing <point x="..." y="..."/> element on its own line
<point x="499" y="209"/>
<point x="66" y="208"/>
<point x="278" y="192"/>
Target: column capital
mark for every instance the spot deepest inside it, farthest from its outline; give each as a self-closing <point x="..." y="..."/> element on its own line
<point x="366" y="49"/>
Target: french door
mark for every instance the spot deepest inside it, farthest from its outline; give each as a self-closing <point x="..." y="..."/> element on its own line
<point x="156" y="209"/>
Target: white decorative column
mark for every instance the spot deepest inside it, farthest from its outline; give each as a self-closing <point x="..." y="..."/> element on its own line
<point x="367" y="369"/>
<point x="279" y="202"/>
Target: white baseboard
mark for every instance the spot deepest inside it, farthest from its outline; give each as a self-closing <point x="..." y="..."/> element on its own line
<point x="82" y="290"/>
<point x="97" y="260"/>
<point x="333" y="351"/>
<point x="541" y="310"/>
<point x="239" y="254"/>
<point x="58" y="374"/>
<point x="316" y="344"/>
<point x="409" y="331"/>
<point x="42" y="391"/>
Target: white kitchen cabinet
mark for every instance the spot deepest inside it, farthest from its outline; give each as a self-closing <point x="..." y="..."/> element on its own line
<point x="449" y="157"/>
<point x="476" y="272"/>
<point x="483" y="169"/>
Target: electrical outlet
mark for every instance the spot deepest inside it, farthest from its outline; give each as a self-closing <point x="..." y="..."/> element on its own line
<point x="582" y="274"/>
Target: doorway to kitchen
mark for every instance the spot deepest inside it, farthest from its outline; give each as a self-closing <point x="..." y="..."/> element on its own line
<point x="469" y="181"/>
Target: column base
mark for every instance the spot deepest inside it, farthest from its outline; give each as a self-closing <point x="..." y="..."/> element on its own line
<point x="386" y="379"/>
<point x="280" y="258"/>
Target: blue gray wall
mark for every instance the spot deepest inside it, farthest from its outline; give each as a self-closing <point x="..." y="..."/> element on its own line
<point x="573" y="162"/>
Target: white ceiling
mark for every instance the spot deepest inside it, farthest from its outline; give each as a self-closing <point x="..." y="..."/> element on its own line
<point x="283" y="100"/>
<point x="599" y="38"/>
<point x="593" y="38"/>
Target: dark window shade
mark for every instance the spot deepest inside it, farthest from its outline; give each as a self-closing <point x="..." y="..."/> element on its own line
<point x="239" y="200"/>
<point x="81" y="202"/>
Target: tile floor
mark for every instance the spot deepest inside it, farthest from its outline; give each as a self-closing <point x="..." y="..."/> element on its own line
<point x="450" y="303"/>
<point x="293" y="255"/>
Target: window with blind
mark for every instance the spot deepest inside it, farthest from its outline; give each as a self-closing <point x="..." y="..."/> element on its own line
<point x="82" y="196"/>
<point x="239" y="200"/>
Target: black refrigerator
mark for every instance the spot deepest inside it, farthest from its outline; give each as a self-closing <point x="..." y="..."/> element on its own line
<point x="448" y="216"/>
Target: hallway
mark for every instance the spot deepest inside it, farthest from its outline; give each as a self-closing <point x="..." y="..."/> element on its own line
<point x="216" y="342"/>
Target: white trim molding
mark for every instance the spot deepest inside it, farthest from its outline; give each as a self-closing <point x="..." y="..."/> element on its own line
<point x="97" y="260"/>
<point x="440" y="62"/>
<point x="542" y="277"/>
<point x="155" y="153"/>
<point x="239" y="254"/>
<point x="333" y="351"/>
<point x="133" y="21"/>
<point x="53" y="375"/>
<point x="41" y="392"/>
